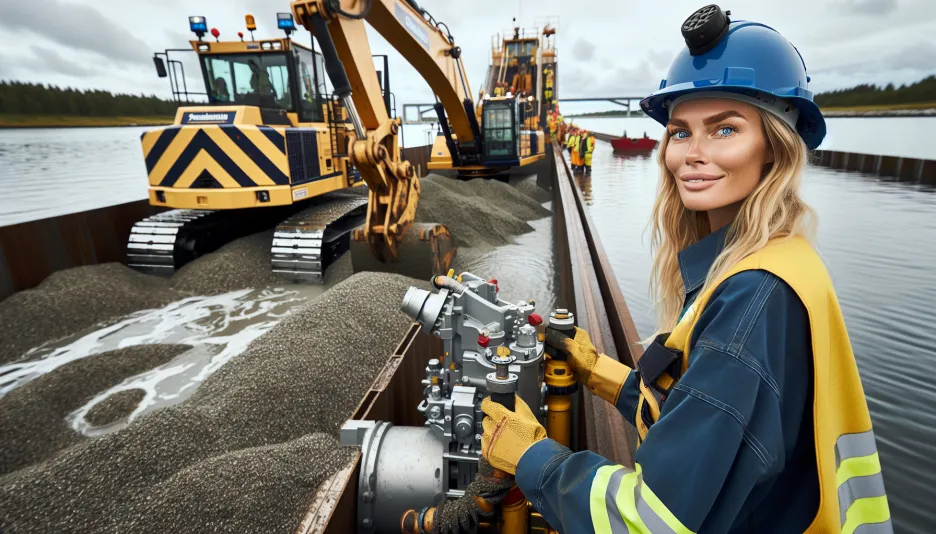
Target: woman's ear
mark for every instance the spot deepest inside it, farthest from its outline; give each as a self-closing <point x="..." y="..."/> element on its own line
<point x="770" y="155"/>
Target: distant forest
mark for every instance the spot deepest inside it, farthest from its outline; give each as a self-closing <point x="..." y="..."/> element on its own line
<point x="923" y="91"/>
<point x="37" y="99"/>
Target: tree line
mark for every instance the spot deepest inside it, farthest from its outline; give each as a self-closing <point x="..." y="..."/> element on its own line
<point x="923" y="91"/>
<point x="37" y="99"/>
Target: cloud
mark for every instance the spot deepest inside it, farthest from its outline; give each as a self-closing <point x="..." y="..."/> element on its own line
<point x="583" y="50"/>
<point x="917" y="60"/>
<point x="868" y="7"/>
<point x="638" y="80"/>
<point x="920" y="56"/>
<point x="75" y="26"/>
<point x="50" y="60"/>
<point x="661" y="59"/>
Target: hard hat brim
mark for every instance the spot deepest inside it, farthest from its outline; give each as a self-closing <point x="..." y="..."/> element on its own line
<point x="810" y="126"/>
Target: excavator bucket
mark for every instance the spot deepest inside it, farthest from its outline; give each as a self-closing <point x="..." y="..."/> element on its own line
<point x="426" y="250"/>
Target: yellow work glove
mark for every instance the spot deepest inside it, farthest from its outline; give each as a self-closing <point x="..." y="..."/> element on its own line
<point x="601" y="374"/>
<point x="507" y="435"/>
<point x="583" y="356"/>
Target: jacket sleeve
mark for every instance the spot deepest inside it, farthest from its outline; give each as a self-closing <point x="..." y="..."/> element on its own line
<point x="718" y="438"/>
<point x="627" y="399"/>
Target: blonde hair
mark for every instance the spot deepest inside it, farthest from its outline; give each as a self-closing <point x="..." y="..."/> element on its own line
<point x="774" y="209"/>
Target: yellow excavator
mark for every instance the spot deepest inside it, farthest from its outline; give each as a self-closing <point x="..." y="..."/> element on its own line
<point x="272" y="141"/>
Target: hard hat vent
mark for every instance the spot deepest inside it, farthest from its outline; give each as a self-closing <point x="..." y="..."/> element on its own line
<point x="705" y="28"/>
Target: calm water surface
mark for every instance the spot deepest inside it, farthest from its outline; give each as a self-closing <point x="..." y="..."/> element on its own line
<point x="878" y="240"/>
<point x="49" y="172"/>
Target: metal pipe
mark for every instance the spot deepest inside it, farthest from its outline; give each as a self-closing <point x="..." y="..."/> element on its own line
<point x="514" y="513"/>
<point x="447" y="282"/>
<point x="355" y="118"/>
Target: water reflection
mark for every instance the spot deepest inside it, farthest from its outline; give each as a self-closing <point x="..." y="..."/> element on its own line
<point x="876" y="237"/>
<point x="584" y="182"/>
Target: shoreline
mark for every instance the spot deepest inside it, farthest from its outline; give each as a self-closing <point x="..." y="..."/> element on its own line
<point x="73" y="121"/>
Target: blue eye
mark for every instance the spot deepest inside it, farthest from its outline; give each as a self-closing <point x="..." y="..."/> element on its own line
<point x="726" y="131"/>
<point x="680" y="134"/>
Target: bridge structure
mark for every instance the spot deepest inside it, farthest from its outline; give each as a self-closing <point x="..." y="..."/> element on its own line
<point x="624" y="101"/>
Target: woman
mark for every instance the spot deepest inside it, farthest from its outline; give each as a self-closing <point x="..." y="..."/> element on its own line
<point x="749" y="410"/>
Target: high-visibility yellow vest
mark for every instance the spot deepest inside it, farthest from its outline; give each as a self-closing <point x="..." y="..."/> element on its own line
<point x="851" y="486"/>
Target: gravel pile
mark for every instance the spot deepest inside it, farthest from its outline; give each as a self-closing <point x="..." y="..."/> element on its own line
<point x="480" y="212"/>
<point x="282" y="388"/>
<point x="527" y="186"/>
<point x="115" y="407"/>
<point x="240" y="264"/>
<point x="75" y="299"/>
<point x="247" y="450"/>
<point x="33" y="416"/>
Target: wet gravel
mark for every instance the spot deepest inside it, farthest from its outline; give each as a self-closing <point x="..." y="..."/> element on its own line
<point x="479" y="212"/>
<point x="33" y="416"/>
<point x="280" y="389"/>
<point x="75" y="299"/>
<point x="246" y="452"/>
<point x="115" y="407"/>
<point x="240" y="264"/>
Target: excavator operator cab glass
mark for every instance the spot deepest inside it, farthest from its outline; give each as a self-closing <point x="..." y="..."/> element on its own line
<point x="311" y="91"/>
<point x="260" y="80"/>
<point x="499" y="127"/>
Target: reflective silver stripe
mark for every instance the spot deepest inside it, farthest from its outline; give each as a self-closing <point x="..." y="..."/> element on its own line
<point x="854" y="445"/>
<point x="614" y="515"/>
<point x="875" y="528"/>
<point x="859" y="488"/>
<point x="650" y="518"/>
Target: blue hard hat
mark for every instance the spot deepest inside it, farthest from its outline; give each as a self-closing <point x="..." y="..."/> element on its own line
<point x="748" y="59"/>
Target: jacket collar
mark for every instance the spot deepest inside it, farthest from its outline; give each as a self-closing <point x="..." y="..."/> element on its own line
<point x="696" y="259"/>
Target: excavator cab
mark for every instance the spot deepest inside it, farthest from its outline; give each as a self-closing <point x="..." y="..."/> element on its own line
<point x="509" y="135"/>
<point x="279" y="82"/>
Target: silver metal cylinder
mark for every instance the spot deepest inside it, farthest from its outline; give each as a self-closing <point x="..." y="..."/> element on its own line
<point x="401" y="468"/>
<point x="355" y="118"/>
<point x="423" y="306"/>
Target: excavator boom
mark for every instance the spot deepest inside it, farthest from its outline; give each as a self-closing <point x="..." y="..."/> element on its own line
<point x="338" y="26"/>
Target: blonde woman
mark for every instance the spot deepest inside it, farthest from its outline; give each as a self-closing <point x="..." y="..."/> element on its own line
<point x="748" y="404"/>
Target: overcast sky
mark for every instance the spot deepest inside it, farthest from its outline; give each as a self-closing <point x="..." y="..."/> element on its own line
<point x="606" y="47"/>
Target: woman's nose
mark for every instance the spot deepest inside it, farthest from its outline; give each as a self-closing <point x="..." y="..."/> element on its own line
<point x="695" y="154"/>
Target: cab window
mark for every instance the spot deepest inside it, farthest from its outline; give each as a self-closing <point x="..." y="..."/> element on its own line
<point x="311" y="91"/>
<point x="249" y="79"/>
<point x="498" y="130"/>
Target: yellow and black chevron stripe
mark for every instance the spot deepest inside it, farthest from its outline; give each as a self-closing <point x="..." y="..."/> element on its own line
<point x="213" y="156"/>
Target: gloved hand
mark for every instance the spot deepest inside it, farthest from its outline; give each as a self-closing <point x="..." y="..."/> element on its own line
<point x="602" y="375"/>
<point x="463" y="515"/>
<point x="583" y="356"/>
<point x="507" y="435"/>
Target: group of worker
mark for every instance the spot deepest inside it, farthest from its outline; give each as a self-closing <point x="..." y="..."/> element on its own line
<point x="578" y="141"/>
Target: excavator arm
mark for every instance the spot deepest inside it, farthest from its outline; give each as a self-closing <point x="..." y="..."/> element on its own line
<point x="338" y="26"/>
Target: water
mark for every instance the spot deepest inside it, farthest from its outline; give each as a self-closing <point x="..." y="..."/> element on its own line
<point x="49" y="172"/>
<point x="876" y="238"/>
<point x="46" y="172"/>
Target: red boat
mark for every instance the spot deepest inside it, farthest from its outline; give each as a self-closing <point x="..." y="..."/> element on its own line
<point x="629" y="144"/>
